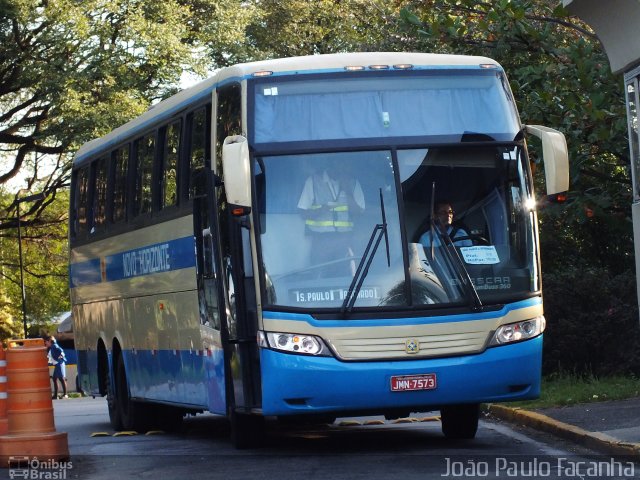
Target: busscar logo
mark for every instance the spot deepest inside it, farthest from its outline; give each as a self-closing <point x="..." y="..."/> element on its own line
<point x="32" y="468"/>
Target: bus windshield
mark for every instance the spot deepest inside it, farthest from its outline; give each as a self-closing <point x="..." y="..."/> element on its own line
<point x="435" y="103"/>
<point x="318" y="212"/>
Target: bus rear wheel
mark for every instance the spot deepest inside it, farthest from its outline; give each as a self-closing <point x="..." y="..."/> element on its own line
<point x="460" y="421"/>
<point x="133" y="415"/>
<point x="112" y="404"/>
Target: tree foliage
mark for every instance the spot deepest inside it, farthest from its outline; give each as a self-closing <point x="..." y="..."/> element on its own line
<point x="45" y="259"/>
<point x="69" y="72"/>
<point x="287" y="28"/>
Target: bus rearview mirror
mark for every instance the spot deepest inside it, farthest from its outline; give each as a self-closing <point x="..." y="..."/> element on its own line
<point x="236" y="170"/>
<point x="556" y="158"/>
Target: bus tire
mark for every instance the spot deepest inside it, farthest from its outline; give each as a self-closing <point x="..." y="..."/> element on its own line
<point x="133" y="415"/>
<point x="112" y="404"/>
<point x="460" y="421"/>
<point x="247" y="431"/>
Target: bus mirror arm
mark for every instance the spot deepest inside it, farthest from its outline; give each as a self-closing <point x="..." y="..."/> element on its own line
<point x="217" y="180"/>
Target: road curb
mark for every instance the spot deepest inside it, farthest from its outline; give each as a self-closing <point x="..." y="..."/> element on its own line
<point x="594" y="440"/>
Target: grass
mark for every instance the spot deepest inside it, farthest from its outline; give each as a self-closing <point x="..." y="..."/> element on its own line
<point x="567" y="389"/>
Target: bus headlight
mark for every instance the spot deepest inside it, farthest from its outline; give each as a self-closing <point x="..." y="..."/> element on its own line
<point x="294" y="343"/>
<point x="516" y="332"/>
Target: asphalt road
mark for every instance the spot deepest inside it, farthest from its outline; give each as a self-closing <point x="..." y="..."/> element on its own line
<point x="415" y="450"/>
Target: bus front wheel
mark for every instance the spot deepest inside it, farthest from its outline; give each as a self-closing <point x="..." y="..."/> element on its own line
<point x="460" y="421"/>
<point x="247" y="431"/>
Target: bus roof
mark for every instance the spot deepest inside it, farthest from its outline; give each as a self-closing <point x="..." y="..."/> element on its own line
<point x="339" y="61"/>
<point x="305" y="64"/>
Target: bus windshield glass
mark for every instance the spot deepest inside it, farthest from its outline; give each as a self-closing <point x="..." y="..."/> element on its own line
<point x="434" y="103"/>
<point x="318" y="212"/>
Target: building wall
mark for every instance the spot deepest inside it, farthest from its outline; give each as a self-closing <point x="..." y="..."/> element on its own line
<point x="616" y="24"/>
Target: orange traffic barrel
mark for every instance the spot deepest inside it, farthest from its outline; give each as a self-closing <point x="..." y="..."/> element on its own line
<point x="29" y="406"/>
<point x="3" y="392"/>
<point x="31" y="429"/>
<point x="43" y="446"/>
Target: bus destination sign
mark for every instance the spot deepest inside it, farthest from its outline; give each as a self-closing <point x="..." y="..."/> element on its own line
<point x="330" y="294"/>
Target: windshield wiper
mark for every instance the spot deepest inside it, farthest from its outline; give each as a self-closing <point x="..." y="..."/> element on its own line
<point x="379" y="231"/>
<point x="454" y="257"/>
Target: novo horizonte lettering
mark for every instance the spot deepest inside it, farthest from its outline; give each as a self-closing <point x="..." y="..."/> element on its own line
<point x="146" y="260"/>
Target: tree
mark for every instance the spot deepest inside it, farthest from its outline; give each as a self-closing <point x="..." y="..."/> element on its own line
<point x="277" y="28"/>
<point x="45" y="260"/>
<point x="9" y="325"/>
<point x="70" y="72"/>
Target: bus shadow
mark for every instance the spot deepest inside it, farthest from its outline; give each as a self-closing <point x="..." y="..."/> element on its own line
<point x="340" y="438"/>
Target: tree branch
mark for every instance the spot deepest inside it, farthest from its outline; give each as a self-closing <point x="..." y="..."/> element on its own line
<point x="602" y="176"/>
<point x="565" y="23"/>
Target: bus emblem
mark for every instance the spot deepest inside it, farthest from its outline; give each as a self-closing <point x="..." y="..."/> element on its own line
<point x="412" y="345"/>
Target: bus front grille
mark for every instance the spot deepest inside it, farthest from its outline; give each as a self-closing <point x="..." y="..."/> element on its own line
<point x="407" y="347"/>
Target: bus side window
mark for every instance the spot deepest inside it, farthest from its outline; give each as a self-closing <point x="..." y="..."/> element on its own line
<point x="81" y="201"/>
<point x="229" y="118"/>
<point x="119" y="167"/>
<point x="169" y="164"/>
<point x="229" y="122"/>
<point x="199" y="149"/>
<point x="144" y="149"/>
<point x="99" y="196"/>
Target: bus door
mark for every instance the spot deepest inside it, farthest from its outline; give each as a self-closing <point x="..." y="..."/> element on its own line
<point x="209" y="287"/>
<point x="242" y="319"/>
<point x="244" y="394"/>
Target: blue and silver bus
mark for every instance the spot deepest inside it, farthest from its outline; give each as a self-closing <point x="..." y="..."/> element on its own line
<point x="254" y="246"/>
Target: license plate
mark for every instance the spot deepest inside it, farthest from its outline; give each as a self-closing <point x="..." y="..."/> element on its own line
<point x="408" y="383"/>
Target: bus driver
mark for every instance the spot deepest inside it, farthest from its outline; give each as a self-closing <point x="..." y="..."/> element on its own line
<point x="444" y="214"/>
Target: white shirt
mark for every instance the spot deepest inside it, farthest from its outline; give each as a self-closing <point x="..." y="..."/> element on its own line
<point x="425" y="238"/>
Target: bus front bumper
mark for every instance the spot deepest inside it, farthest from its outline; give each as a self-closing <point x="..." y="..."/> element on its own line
<point x="297" y="384"/>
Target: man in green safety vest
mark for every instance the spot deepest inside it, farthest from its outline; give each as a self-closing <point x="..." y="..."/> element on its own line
<point x="329" y="201"/>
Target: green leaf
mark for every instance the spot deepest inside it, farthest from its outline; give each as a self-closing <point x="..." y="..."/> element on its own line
<point x="408" y="16"/>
